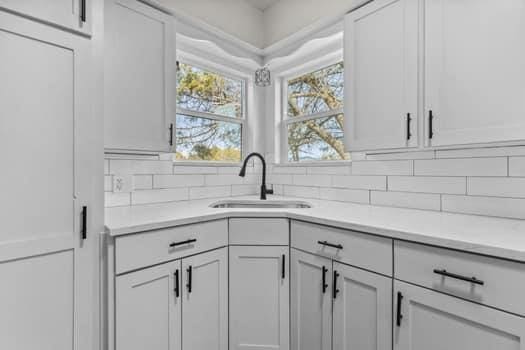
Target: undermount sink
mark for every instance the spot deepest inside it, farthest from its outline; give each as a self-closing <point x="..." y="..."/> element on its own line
<point x="260" y="204"/>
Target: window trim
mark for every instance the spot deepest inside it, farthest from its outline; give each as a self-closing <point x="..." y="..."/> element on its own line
<point x="242" y="120"/>
<point x="285" y="120"/>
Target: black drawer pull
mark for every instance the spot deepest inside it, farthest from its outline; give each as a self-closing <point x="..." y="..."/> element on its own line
<point x="188" y="241"/>
<point x="325" y="285"/>
<point x="445" y="273"/>
<point x="83" y="11"/>
<point x="84" y="223"/>
<point x="171" y="134"/>
<point x="409" y="119"/>
<point x="283" y="270"/>
<point x="336" y="275"/>
<point x="399" y="316"/>
<point x="188" y="285"/>
<point x="325" y="243"/>
<point x="176" y="277"/>
<point x="430" y="125"/>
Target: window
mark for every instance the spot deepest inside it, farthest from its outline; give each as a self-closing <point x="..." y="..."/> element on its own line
<point x="210" y="115"/>
<point x="314" y="115"/>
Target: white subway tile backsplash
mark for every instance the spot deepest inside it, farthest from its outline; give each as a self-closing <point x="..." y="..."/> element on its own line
<point x="210" y="192"/>
<point x="406" y="200"/>
<point x="142" y="182"/>
<point x="517" y="166"/>
<point x="276" y="169"/>
<point x="383" y="167"/>
<point x="136" y="167"/>
<point x="183" y="169"/>
<point x="497" y="186"/>
<point x="428" y="184"/>
<point x="462" y="167"/>
<point x="244" y="190"/>
<point x="301" y="191"/>
<point x="345" y="195"/>
<point x="280" y="179"/>
<point x="329" y="170"/>
<point x="108" y="183"/>
<point x="402" y="155"/>
<point x="482" y="152"/>
<point x="221" y="180"/>
<point x="488" y="206"/>
<point x="173" y="181"/>
<point x="366" y="182"/>
<point x="312" y="180"/>
<point x="159" y="196"/>
<point x="117" y="199"/>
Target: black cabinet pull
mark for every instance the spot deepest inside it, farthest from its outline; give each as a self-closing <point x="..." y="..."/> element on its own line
<point x="399" y="316"/>
<point x="325" y="285"/>
<point x="188" y="241"/>
<point x="325" y="243"/>
<point x="188" y="285"/>
<point x="84" y="222"/>
<point x="445" y="273"/>
<point x="171" y="134"/>
<point x="336" y="275"/>
<point x="83" y="11"/>
<point x="283" y="268"/>
<point x="409" y="120"/>
<point x="430" y="124"/>
<point x="177" y="288"/>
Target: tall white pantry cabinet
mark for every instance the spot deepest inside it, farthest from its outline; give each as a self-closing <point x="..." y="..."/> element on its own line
<point x="50" y="173"/>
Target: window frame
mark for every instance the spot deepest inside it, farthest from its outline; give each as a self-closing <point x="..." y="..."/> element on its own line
<point x="242" y="120"/>
<point x="287" y="120"/>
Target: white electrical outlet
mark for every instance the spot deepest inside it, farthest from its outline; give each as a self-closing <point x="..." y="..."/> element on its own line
<point x="121" y="183"/>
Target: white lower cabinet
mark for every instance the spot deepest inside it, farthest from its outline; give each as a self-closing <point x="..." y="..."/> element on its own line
<point x="148" y="309"/>
<point x="428" y="320"/>
<point x="362" y="316"/>
<point x="259" y="295"/>
<point x="205" y="301"/>
<point x="311" y="302"/>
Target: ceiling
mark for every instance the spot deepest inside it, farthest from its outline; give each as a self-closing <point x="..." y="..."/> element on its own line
<point x="261" y="4"/>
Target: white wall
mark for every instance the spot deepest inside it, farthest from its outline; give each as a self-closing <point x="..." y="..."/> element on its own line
<point x="235" y="17"/>
<point x="287" y="17"/>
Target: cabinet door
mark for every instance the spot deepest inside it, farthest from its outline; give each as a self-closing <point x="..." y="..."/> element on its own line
<point x="311" y="302"/>
<point x="72" y="14"/>
<point x="140" y="77"/>
<point x="362" y="310"/>
<point x="475" y="64"/>
<point x="205" y="301"/>
<point x="381" y="75"/>
<point x="148" y="309"/>
<point x="435" y="321"/>
<point x="47" y="269"/>
<point x="259" y="295"/>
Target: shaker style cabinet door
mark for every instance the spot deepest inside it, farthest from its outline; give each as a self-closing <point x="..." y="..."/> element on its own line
<point x="205" y="301"/>
<point x="71" y="14"/>
<point x="381" y="76"/>
<point x="474" y="69"/>
<point x="148" y="308"/>
<point x="139" y="77"/>
<point x="311" y="302"/>
<point x="428" y="320"/>
<point x="362" y="310"/>
<point x="259" y="298"/>
<point x="48" y="250"/>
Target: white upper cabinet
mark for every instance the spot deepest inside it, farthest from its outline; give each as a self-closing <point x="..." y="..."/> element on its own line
<point x="429" y="320"/>
<point x="47" y="250"/>
<point x="259" y="295"/>
<point x="381" y="75"/>
<point x="475" y="69"/>
<point x="140" y="77"/>
<point x="71" y="14"/>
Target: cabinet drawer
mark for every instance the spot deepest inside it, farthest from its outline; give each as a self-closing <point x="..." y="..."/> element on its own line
<point x="259" y="231"/>
<point x="499" y="283"/>
<point x="149" y="248"/>
<point x="358" y="249"/>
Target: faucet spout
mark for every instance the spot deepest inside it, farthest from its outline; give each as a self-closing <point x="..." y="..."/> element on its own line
<point x="242" y="173"/>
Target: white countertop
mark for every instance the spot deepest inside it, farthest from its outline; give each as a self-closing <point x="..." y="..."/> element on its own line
<point x="503" y="238"/>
